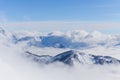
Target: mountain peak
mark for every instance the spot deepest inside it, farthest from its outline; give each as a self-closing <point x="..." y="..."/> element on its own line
<point x="2" y="31"/>
<point x="72" y="56"/>
<point x="56" y="33"/>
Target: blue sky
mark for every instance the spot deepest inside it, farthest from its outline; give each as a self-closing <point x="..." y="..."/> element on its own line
<point x="60" y="10"/>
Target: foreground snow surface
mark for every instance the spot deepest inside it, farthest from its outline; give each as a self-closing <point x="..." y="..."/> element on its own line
<point x="13" y="66"/>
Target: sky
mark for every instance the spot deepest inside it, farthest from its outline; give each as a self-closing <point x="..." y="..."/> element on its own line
<point x="61" y="13"/>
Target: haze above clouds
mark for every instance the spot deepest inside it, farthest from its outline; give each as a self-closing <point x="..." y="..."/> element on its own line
<point x="50" y="26"/>
<point x="48" y="16"/>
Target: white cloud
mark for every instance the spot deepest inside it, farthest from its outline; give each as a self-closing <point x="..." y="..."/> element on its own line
<point x="16" y="67"/>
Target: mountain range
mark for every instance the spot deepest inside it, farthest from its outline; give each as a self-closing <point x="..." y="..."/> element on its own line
<point x="73" y="40"/>
<point x="71" y="57"/>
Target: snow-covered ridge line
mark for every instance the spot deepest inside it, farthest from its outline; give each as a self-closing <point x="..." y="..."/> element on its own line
<point x="71" y="57"/>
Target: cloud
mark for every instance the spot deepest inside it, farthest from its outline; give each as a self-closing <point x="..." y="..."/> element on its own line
<point x="15" y="66"/>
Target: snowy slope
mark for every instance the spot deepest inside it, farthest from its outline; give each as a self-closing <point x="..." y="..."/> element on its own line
<point x="72" y="56"/>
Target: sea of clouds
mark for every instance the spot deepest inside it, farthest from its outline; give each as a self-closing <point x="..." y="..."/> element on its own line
<point x="15" y="66"/>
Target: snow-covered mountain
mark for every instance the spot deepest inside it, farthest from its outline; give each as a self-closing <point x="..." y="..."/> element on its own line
<point x="5" y="37"/>
<point x="73" y="39"/>
<point x="23" y="53"/>
<point x="77" y="39"/>
<point x="71" y="57"/>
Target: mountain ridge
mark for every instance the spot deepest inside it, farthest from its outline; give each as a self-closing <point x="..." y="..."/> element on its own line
<point x="72" y="56"/>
